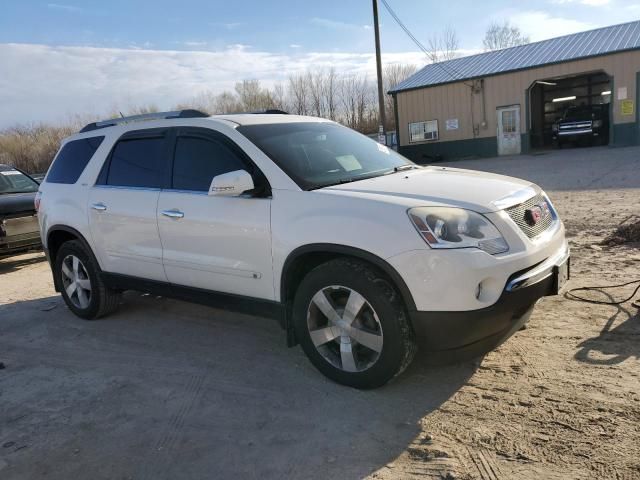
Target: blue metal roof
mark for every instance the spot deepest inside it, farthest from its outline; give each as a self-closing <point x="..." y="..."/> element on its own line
<point x="601" y="41"/>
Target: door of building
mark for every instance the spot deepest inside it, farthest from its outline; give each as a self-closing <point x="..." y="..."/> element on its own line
<point x="509" y="130"/>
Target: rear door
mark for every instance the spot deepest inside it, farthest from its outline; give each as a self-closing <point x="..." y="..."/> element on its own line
<point x="213" y="242"/>
<point x="123" y="203"/>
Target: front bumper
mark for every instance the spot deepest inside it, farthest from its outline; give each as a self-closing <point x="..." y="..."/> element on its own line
<point x="466" y="334"/>
<point x="19" y="243"/>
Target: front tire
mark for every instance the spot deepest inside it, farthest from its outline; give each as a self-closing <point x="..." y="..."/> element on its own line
<point x="352" y="324"/>
<point x="82" y="288"/>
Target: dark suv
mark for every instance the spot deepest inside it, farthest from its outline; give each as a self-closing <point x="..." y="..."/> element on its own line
<point x="584" y="122"/>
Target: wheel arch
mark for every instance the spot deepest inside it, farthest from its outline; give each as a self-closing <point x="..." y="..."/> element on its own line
<point x="303" y="259"/>
<point x="57" y="235"/>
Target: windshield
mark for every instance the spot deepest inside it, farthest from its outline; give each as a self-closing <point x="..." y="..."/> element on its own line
<point x="14" y="181"/>
<point x="582" y="112"/>
<point x="320" y="154"/>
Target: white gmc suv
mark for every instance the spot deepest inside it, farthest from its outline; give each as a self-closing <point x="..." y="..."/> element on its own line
<point x="361" y="254"/>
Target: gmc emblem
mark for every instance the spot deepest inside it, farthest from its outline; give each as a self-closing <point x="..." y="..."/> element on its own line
<point x="536" y="213"/>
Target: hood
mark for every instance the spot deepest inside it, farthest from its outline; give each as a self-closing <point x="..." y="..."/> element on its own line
<point x="13" y="203"/>
<point x="443" y="186"/>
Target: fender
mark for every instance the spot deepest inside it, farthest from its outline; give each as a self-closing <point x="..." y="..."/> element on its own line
<point x="338" y="250"/>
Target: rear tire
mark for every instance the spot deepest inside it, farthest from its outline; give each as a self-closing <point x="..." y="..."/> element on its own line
<point x="352" y="324"/>
<point x="83" y="290"/>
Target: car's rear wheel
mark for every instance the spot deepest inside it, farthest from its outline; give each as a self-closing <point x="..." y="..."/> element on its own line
<point x="352" y="324"/>
<point x="82" y="289"/>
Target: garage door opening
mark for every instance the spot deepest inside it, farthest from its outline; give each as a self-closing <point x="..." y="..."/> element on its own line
<point x="570" y="111"/>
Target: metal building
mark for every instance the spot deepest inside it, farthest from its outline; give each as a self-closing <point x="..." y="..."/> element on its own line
<point x="510" y="101"/>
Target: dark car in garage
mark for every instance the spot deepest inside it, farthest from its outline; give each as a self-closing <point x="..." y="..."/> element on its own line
<point x="584" y="122"/>
<point x="18" y="217"/>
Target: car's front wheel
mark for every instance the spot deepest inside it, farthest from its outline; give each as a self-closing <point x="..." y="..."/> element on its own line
<point x="352" y="325"/>
<point x="82" y="289"/>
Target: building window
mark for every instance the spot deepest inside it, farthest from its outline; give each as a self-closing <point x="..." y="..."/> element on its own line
<point x="421" y="131"/>
<point x="508" y="121"/>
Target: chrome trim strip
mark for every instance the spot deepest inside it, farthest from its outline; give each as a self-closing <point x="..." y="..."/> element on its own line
<point x="209" y="268"/>
<point x="118" y="187"/>
<point x="515" y="198"/>
<point x="574" y="132"/>
<point x="191" y="192"/>
<point x="539" y="273"/>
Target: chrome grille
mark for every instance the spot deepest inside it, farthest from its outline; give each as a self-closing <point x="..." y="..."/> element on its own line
<point x="517" y="214"/>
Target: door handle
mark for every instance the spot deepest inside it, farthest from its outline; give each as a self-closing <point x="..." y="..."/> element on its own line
<point x="173" y="213"/>
<point x="101" y="207"/>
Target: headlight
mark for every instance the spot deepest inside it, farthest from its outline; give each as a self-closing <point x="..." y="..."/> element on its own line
<point x="554" y="127"/>
<point x="597" y="123"/>
<point x="447" y="227"/>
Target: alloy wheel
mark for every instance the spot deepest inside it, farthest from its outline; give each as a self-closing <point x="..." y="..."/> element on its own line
<point x="344" y="328"/>
<point x="76" y="282"/>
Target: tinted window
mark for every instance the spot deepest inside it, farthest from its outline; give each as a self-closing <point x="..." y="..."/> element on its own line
<point x="14" y="181"/>
<point x="137" y="163"/>
<point x="319" y="154"/>
<point x="198" y="160"/>
<point x="70" y="162"/>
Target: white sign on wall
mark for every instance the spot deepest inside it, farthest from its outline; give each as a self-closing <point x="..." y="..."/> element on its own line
<point x="451" y="124"/>
<point x="622" y="93"/>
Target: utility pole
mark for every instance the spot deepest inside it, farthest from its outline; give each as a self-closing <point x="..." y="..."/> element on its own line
<point x="382" y="138"/>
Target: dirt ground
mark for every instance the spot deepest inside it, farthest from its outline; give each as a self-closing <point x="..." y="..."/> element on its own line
<point x="165" y="389"/>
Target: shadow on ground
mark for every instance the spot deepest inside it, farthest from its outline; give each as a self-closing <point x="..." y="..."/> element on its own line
<point x="165" y="389"/>
<point x="614" y="344"/>
<point x="12" y="264"/>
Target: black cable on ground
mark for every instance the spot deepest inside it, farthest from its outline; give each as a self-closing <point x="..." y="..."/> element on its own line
<point x="571" y="296"/>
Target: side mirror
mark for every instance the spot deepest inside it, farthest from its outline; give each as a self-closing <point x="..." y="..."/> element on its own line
<point x="231" y="184"/>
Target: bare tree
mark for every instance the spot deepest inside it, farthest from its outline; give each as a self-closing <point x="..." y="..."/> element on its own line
<point x="443" y="46"/>
<point x="356" y="94"/>
<point x="299" y="94"/>
<point x="392" y="75"/>
<point x="279" y="97"/>
<point x="252" y="97"/>
<point x="315" y="83"/>
<point x="322" y="88"/>
<point x="505" y="35"/>
<point x="207" y="101"/>
<point x="331" y="92"/>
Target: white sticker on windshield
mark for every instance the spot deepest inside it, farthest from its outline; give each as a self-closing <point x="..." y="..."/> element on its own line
<point x="383" y="148"/>
<point x="349" y="163"/>
<point x="10" y="172"/>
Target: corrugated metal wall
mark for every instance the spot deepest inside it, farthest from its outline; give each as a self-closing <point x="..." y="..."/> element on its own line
<point x="454" y="100"/>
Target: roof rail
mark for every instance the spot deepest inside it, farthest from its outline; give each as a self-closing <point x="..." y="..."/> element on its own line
<point x="144" y="117"/>
<point x="273" y="111"/>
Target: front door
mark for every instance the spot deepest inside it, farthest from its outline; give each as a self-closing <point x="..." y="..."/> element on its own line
<point x="213" y="242"/>
<point x="122" y="206"/>
<point x="509" y="130"/>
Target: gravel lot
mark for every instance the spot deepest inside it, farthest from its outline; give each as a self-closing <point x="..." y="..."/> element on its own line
<point x="166" y="389"/>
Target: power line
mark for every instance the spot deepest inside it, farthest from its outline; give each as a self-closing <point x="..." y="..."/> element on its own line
<point x="447" y="70"/>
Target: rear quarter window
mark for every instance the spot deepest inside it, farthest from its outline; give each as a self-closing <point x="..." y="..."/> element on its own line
<point x="72" y="160"/>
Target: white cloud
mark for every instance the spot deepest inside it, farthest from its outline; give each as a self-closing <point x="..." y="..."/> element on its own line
<point x="47" y="83"/>
<point x="295" y="45"/>
<point x="194" y="44"/>
<point x="540" y="25"/>
<point x="229" y="25"/>
<point x="590" y="3"/>
<point x="336" y="24"/>
<point x="66" y="8"/>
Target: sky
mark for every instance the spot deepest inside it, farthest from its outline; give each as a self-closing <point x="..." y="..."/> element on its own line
<point x="68" y="57"/>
